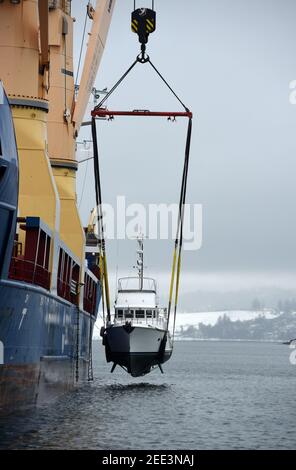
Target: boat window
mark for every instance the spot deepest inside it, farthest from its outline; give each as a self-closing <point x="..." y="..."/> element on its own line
<point x="129" y="314"/>
<point x="119" y="313"/>
<point x="149" y="313"/>
<point x="140" y="313"/>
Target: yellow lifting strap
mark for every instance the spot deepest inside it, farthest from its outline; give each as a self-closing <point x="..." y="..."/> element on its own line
<point x="173" y="276"/>
<point x="107" y="294"/>
<point x="176" y="268"/>
<point x="178" y="280"/>
<point x="102" y="284"/>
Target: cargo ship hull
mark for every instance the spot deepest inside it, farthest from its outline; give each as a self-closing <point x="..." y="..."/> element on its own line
<point x="42" y="352"/>
<point x="50" y="286"/>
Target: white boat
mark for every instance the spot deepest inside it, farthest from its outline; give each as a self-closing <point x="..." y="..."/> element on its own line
<point x="138" y="338"/>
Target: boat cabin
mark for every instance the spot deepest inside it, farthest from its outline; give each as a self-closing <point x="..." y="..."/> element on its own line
<point x="138" y="303"/>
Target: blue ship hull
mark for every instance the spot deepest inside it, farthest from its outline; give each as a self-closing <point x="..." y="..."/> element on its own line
<point x="43" y="350"/>
<point x="45" y="341"/>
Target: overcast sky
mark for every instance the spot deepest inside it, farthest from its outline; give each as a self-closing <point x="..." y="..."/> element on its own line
<point x="231" y="61"/>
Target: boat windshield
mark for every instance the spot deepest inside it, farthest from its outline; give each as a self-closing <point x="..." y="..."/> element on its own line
<point x="132" y="284"/>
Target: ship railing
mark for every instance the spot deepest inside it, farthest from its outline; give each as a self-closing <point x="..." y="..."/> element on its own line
<point x="131" y="284"/>
<point x="28" y="271"/>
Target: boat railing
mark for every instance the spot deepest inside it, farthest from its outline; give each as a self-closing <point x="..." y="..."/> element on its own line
<point x="163" y="312"/>
<point x="154" y="321"/>
<point x="28" y="271"/>
<point x="131" y="284"/>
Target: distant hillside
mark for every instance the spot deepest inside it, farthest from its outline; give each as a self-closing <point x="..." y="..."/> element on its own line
<point x="280" y="327"/>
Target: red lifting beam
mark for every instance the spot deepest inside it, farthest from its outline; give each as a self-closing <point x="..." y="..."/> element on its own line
<point x="101" y="112"/>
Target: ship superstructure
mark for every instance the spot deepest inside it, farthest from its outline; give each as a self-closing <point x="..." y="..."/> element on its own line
<point x="49" y="286"/>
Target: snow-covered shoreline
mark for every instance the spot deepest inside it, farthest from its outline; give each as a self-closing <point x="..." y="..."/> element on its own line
<point x="215" y="340"/>
<point x="210" y="318"/>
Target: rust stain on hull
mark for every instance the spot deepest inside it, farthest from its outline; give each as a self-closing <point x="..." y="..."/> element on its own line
<point x="22" y="386"/>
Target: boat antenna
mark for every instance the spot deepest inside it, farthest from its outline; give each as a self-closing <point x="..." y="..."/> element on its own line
<point x="117" y="252"/>
<point x="140" y="260"/>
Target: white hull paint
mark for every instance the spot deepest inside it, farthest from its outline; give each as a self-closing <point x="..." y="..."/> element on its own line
<point x="141" y="340"/>
<point x="137" y="348"/>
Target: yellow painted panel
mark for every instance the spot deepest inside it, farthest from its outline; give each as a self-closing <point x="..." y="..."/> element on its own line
<point x="61" y="94"/>
<point x="37" y="188"/>
<point x="19" y="48"/>
<point x="55" y="27"/>
<point x="30" y="127"/>
<point x="62" y="144"/>
<point x="71" y="230"/>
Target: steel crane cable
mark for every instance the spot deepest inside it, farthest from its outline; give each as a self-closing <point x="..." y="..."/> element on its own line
<point x="138" y="60"/>
<point x="167" y="84"/>
<point x="81" y="48"/>
<point x="116" y="85"/>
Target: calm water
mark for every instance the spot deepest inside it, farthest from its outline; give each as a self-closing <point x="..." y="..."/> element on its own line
<point x="213" y="395"/>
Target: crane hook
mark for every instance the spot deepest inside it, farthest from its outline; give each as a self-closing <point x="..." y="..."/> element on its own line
<point x="143" y="24"/>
